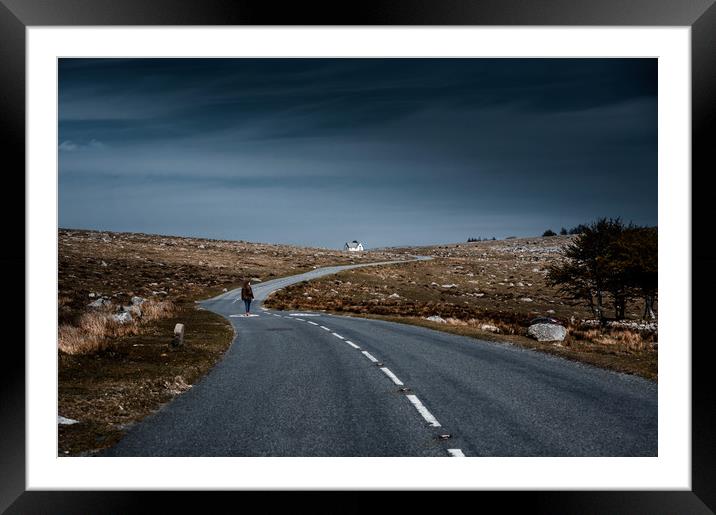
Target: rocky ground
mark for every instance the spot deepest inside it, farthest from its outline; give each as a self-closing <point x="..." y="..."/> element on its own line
<point x="119" y="297"/>
<point x="487" y="289"/>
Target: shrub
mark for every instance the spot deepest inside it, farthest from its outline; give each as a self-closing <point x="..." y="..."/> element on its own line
<point x="154" y="310"/>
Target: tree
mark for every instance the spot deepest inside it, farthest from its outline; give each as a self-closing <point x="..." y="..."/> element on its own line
<point x="549" y="232"/>
<point x="580" y="229"/>
<point x="588" y="269"/>
<point x="633" y="262"/>
<point x="563" y="231"/>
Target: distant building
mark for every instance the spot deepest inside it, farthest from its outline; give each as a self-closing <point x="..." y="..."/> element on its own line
<point x="354" y="246"/>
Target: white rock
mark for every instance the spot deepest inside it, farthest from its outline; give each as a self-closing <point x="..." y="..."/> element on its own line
<point x="436" y="318"/>
<point x="491" y="328"/>
<point x="66" y="421"/>
<point x="449" y="285"/>
<point x="104" y="264"/>
<point x="91" y="295"/>
<point x="99" y="303"/>
<point x="137" y="301"/>
<point x="526" y="299"/>
<point x="547" y="332"/>
<point x="122" y="317"/>
<point x="394" y="296"/>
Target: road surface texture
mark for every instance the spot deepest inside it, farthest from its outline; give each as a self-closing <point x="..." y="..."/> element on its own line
<point x="312" y="384"/>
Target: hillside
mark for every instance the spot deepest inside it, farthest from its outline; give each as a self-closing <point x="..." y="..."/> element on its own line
<point x="487" y="289"/>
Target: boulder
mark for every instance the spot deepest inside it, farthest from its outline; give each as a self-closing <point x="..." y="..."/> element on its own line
<point x="122" y="317"/>
<point x="547" y="332"/>
<point x="491" y="328"/>
<point x="137" y="301"/>
<point x="99" y="303"/>
<point x="437" y="319"/>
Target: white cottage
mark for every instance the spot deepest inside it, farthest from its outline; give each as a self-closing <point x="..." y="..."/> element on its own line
<point x="354" y="246"/>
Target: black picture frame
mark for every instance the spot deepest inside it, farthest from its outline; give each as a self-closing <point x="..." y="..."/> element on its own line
<point x="700" y="15"/>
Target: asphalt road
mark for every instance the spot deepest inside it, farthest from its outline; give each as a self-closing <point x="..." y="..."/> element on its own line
<point x="312" y="384"/>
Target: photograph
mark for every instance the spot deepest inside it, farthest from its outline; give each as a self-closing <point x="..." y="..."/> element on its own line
<point x="320" y="250"/>
<point x="357" y="257"/>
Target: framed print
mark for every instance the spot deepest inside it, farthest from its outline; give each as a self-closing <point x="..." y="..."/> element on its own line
<point x="248" y="228"/>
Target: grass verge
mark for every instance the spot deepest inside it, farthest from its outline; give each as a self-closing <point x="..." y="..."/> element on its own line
<point x="133" y="375"/>
<point x="608" y="355"/>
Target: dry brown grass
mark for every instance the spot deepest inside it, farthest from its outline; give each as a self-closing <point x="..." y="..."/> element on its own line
<point x="154" y="309"/>
<point x="623" y="340"/>
<point x="97" y="331"/>
<point x="74" y="340"/>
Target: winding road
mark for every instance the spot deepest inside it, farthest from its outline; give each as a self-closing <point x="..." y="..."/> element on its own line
<point x="314" y="384"/>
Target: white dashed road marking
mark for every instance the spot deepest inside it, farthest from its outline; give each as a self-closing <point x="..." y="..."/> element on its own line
<point x="370" y="356"/>
<point x="419" y="406"/>
<point x="423" y="411"/>
<point x="392" y="376"/>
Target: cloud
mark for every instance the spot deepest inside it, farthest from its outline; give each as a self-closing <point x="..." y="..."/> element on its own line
<point x="435" y="149"/>
<point x="71" y="146"/>
<point x="68" y="146"/>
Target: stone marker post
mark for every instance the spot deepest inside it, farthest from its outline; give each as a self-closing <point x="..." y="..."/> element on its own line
<point x="178" y="339"/>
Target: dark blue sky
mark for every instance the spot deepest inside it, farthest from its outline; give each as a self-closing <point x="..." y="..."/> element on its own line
<point x="323" y="151"/>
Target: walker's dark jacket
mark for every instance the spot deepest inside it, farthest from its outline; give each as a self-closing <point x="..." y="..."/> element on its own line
<point x="247" y="293"/>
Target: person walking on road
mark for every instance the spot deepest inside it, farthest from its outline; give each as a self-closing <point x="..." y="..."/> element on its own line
<point x="247" y="295"/>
